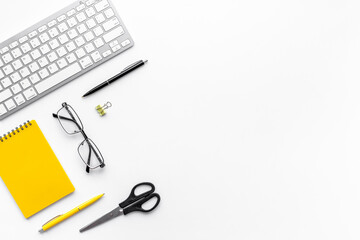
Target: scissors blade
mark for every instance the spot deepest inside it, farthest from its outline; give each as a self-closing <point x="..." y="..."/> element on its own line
<point x="113" y="214"/>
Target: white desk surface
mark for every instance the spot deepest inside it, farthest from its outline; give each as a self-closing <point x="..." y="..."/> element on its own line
<point x="247" y="120"/>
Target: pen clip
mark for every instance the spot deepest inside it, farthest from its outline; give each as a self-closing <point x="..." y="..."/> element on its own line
<point x="130" y="66"/>
<point x="52" y="219"/>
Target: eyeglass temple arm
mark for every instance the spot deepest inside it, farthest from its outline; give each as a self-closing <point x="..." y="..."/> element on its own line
<point x="88" y="163"/>
<point x="65" y="118"/>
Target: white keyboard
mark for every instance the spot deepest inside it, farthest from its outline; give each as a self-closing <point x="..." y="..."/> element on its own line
<point x="57" y="50"/>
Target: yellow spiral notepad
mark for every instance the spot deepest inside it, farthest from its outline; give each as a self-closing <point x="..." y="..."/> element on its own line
<point x="30" y="169"/>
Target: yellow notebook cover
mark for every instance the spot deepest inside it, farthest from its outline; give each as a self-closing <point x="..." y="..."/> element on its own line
<point x="30" y="169"/>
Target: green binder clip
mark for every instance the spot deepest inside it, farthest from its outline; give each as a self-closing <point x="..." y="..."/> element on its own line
<point x="101" y="109"/>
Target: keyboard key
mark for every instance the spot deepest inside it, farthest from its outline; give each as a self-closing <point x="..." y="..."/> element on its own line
<point x="26" y="59"/>
<point x="16" y="88"/>
<point x="107" y="53"/>
<point x="109" y="13"/>
<point x="2" y="109"/>
<point x="25" y="83"/>
<point x="80" y="41"/>
<point x="1" y="75"/>
<point x="25" y="48"/>
<point x="90" y="12"/>
<point x="101" y="5"/>
<point x="58" y="78"/>
<point x="61" y="18"/>
<point x="16" y="64"/>
<point x="44" y="37"/>
<point x="44" y="49"/>
<point x="6" y="82"/>
<point x="29" y="94"/>
<point x="61" y="51"/>
<point x="7" y="58"/>
<point x="81" y="17"/>
<point x="116" y="48"/>
<point x="53" y="68"/>
<point x="15" y="77"/>
<point x="80" y="7"/>
<point x="91" y="23"/>
<point x="54" y="44"/>
<point x="8" y="70"/>
<point x="99" y="42"/>
<point x="96" y="56"/>
<point x="34" y="67"/>
<point x="111" y="24"/>
<point x="23" y="39"/>
<point x="72" y="22"/>
<point x="35" y="54"/>
<point x="80" y="53"/>
<point x="117" y="32"/>
<point x="52" y="23"/>
<point x="89" y="2"/>
<point x="5" y="95"/>
<point x="14" y="44"/>
<point x="100" y="18"/>
<point x="34" y="78"/>
<point x="114" y="43"/>
<point x="35" y="42"/>
<point x="71" y="58"/>
<point x="98" y="31"/>
<point x="44" y="73"/>
<point x="10" y="104"/>
<point x="42" y="29"/>
<point x="125" y="43"/>
<point x="32" y="34"/>
<point x="71" y="12"/>
<point x="19" y="99"/>
<point x="24" y="72"/>
<point x="62" y="63"/>
<point x="63" y="27"/>
<point x="43" y="62"/>
<point x="63" y="39"/>
<point x="81" y="28"/>
<point x="86" y="62"/>
<point x="89" y="48"/>
<point x="89" y="36"/>
<point x="53" y="32"/>
<point x="1" y="63"/>
<point x="52" y="57"/>
<point x="4" y="50"/>
<point x="70" y="46"/>
<point x="72" y="34"/>
<point x="16" y="53"/>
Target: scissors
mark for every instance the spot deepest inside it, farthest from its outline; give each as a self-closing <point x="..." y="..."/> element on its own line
<point x="132" y="204"/>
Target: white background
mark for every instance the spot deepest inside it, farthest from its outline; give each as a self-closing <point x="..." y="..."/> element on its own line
<point x="246" y="119"/>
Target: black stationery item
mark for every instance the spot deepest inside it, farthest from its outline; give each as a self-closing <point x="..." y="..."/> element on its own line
<point x="127" y="70"/>
<point x="132" y="204"/>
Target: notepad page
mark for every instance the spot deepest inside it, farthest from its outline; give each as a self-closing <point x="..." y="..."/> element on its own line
<point x="31" y="171"/>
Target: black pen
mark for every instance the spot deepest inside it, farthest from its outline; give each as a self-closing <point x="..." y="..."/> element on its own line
<point x="127" y="70"/>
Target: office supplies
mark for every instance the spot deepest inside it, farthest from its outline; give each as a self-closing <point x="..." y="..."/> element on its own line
<point x="60" y="218"/>
<point x="124" y="72"/>
<point x="132" y="204"/>
<point x="71" y="123"/>
<point x="30" y="169"/>
<point x="101" y="109"/>
<point x="57" y="50"/>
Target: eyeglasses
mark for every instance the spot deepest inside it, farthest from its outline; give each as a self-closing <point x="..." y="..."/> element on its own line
<point x="88" y="151"/>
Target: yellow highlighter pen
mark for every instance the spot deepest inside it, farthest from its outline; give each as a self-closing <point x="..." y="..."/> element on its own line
<point x="58" y="219"/>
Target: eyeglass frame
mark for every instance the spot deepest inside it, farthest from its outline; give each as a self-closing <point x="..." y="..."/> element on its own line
<point x="86" y="138"/>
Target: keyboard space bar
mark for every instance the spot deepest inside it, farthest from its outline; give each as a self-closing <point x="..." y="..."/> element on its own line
<point x="58" y="78"/>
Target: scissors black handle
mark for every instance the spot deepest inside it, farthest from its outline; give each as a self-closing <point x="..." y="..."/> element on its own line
<point x="134" y="202"/>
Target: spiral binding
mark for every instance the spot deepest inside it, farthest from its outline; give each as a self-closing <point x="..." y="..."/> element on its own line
<point x="13" y="132"/>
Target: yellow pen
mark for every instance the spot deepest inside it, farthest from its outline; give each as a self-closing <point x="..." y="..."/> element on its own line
<point x="60" y="218"/>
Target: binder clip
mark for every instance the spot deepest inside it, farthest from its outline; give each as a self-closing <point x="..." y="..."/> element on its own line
<point x="101" y="109"/>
